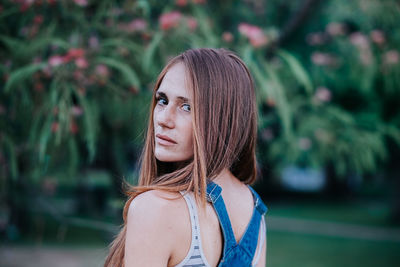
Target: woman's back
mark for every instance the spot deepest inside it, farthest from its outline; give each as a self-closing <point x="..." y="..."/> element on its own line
<point x="177" y="223"/>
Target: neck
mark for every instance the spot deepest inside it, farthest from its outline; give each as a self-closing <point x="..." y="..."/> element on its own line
<point x="226" y="178"/>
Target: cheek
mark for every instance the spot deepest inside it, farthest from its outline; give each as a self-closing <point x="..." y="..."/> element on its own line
<point x="154" y="118"/>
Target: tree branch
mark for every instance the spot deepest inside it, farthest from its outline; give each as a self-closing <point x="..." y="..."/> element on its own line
<point x="295" y="21"/>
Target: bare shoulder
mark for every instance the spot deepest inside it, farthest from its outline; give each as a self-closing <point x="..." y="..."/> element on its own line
<point x="155" y="204"/>
<point x="153" y="222"/>
<point x="160" y="197"/>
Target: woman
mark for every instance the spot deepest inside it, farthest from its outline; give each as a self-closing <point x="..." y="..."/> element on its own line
<point x="193" y="205"/>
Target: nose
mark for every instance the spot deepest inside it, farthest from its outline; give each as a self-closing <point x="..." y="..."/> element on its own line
<point x="166" y="117"/>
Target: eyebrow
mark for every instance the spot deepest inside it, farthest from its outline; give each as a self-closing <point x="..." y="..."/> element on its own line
<point x="160" y="93"/>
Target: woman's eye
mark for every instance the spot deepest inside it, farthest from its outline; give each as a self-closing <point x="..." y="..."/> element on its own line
<point x="162" y="101"/>
<point x="186" y="107"/>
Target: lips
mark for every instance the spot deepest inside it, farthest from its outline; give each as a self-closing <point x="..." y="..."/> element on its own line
<point x="165" y="140"/>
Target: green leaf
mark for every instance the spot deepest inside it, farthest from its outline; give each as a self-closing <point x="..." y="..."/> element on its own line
<point x="298" y="71"/>
<point x="20" y="75"/>
<point x="279" y="96"/>
<point x="90" y="121"/>
<point x="114" y="42"/>
<point x="9" y="11"/>
<point x="10" y="147"/>
<point x="204" y="26"/>
<point x="150" y="51"/>
<point x="145" y="6"/>
<point x="23" y="50"/>
<point x="73" y="156"/>
<point x="37" y="118"/>
<point x="129" y="74"/>
<point x="45" y="134"/>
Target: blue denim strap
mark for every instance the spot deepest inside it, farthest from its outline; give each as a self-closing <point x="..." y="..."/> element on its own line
<point x="233" y="253"/>
<point x="248" y="241"/>
<point x="258" y="203"/>
<point x="214" y="196"/>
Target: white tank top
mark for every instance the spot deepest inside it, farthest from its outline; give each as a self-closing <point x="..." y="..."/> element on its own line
<point x="195" y="256"/>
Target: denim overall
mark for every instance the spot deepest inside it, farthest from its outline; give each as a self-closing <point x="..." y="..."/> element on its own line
<point x="236" y="254"/>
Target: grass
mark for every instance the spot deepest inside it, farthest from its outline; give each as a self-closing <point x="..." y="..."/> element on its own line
<point x="300" y="250"/>
<point x="370" y="213"/>
<point x="306" y="250"/>
<point x="45" y="230"/>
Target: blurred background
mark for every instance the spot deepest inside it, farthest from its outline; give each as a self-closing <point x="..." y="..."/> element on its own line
<point x="76" y="80"/>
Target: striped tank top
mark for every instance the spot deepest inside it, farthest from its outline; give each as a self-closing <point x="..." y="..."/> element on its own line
<point x="195" y="256"/>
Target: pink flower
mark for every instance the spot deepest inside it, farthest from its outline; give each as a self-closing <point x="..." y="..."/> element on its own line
<point x="366" y="56"/>
<point x="73" y="127"/>
<point x="76" y="111"/>
<point x="102" y="70"/>
<point x="55" y="126"/>
<point x="38" y="19"/>
<point x="391" y="57"/>
<point x="378" y="37"/>
<point x="136" y="25"/>
<point x="81" y="63"/>
<point x="181" y="2"/>
<point x="170" y="20"/>
<point x="304" y="143"/>
<point x="78" y="75"/>
<point x="56" y="60"/>
<point x="360" y="40"/>
<point x="227" y="37"/>
<point x="47" y="71"/>
<point x="192" y="23"/>
<point x="323" y="59"/>
<point x="323" y="135"/>
<point x="75" y="53"/>
<point x="335" y="28"/>
<point x="25" y="5"/>
<point x="323" y="94"/>
<point x="93" y="42"/>
<point x="317" y="38"/>
<point x="81" y="2"/>
<point x="254" y="34"/>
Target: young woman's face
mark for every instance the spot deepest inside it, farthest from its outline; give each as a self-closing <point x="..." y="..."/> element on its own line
<point x="172" y="117"/>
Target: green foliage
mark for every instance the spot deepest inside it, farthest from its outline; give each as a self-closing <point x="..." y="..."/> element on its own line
<point x="77" y="79"/>
<point x="19" y="75"/>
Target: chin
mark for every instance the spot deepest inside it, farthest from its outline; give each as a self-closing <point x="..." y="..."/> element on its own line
<point x="164" y="158"/>
<point x="171" y="157"/>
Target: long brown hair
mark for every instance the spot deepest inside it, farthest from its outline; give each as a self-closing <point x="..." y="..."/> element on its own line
<point x="224" y="132"/>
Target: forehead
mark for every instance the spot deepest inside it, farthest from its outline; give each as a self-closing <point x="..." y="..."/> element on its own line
<point x="174" y="83"/>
